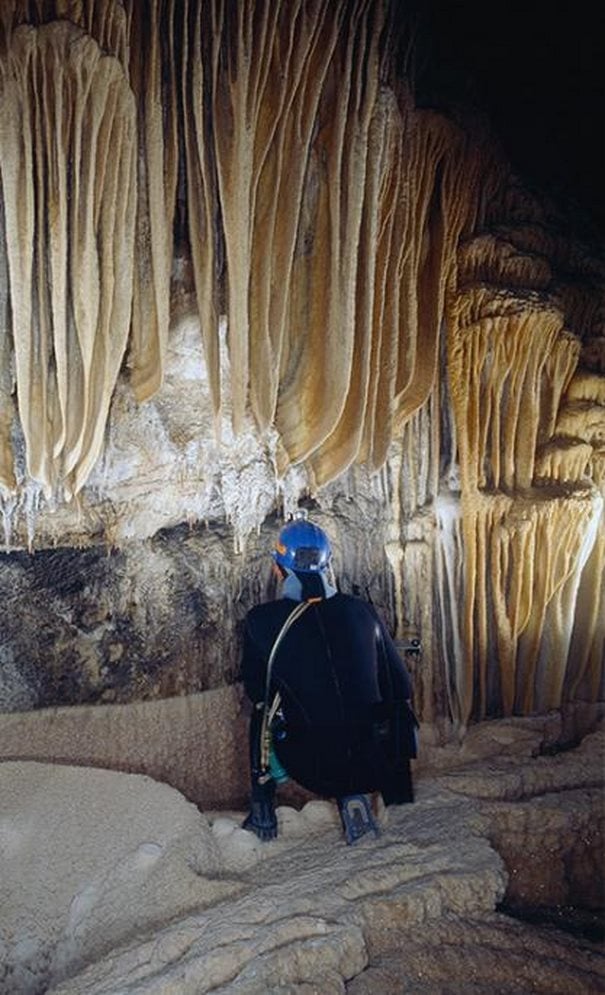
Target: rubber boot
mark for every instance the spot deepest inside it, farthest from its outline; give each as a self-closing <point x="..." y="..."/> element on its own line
<point x="356" y="817"/>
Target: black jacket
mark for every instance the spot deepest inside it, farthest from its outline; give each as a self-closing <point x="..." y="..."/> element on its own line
<point x="344" y="690"/>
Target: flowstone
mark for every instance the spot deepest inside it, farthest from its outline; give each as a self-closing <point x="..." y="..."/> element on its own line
<point x="127" y="887"/>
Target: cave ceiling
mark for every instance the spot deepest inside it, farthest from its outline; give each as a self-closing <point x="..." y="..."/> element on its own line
<point x="538" y="72"/>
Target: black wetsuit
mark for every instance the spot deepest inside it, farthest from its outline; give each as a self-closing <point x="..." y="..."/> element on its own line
<point x="344" y="691"/>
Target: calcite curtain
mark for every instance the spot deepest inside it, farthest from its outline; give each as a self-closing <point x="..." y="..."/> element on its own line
<point x="322" y="215"/>
<point x="67" y="165"/>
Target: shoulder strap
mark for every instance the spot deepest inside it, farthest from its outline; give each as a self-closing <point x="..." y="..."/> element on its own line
<point x="270" y="710"/>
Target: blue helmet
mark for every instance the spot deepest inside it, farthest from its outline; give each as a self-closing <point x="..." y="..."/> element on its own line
<point x="302" y="547"/>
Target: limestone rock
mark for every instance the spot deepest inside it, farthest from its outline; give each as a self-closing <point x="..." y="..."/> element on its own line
<point x="88" y="858"/>
<point x="170" y="901"/>
<point x="455" y="956"/>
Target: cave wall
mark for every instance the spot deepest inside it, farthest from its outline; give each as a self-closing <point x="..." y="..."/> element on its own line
<point x="242" y="268"/>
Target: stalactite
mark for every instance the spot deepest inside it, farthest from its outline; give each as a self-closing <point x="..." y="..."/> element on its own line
<point x="497" y="361"/>
<point x="424" y="268"/>
<point x="428" y="200"/>
<point x="67" y="151"/>
<point x="418" y="485"/>
<point x="584" y="304"/>
<point x="370" y="335"/>
<point x="240" y="62"/>
<point x="449" y="583"/>
<point x="522" y="561"/>
<point x="525" y="416"/>
<point x="585" y="673"/>
<point x="563" y="537"/>
<point x="323" y="211"/>
<point x="460" y="163"/>
<point x="344" y="243"/>
<point x="394" y="209"/>
<point x="105" y="20"/>
<point x="285" y="194"/>
<point x="197" y="80"/>
<point x="579" y="619"/>
<point x="7" y="408"/>
<point x="559" y="368"/>
<point x="486" y="258"/>
<point x="582" y="418"/>
<point x="563" y="460"/>
<point x="153" y="67"/>
<point x="426" y="209"/>
<point x="319" y="358"/>
<point x="248" y="175"/>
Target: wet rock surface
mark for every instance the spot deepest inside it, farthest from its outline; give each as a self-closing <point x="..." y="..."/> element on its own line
<point x="162" y="898"/>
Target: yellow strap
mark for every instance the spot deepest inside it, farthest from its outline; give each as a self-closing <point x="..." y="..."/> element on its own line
<point x="270" y="712"/>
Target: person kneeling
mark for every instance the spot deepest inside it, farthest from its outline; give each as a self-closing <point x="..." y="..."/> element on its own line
<point x="331" y="695"/>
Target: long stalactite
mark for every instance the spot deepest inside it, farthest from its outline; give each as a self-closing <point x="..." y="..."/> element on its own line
<point x="67" y="160"/>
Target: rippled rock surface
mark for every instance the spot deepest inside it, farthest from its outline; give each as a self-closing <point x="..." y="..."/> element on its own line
<point x="117" y="883"/>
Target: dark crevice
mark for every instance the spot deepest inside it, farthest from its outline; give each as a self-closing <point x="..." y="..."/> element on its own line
<point x="585" y="924"/>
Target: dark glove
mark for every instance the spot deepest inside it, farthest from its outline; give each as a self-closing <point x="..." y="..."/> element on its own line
<point x="262" y="819"/>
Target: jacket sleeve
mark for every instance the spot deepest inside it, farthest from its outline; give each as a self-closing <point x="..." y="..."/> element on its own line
<point x="254" y="665"/>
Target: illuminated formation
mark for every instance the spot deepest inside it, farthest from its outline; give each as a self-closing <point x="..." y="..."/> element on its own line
<point x="391" y="298"/>
<point x="68" y="150"/>
<point x="322" y="213"/>
<point x="530" y="527"/>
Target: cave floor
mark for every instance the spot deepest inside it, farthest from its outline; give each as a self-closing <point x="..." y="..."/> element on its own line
<point x="419" y="909"/>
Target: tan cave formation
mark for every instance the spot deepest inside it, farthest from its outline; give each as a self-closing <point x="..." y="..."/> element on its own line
<point x="67" y="160"/>
<point x="529" y="426"/>
<point x="322" y="213"/>
<point x="244" y="265"/>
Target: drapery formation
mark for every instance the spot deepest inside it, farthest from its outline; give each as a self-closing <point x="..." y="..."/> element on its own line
<point x="67" y="162"/>
<point x="528" y="533"/>
<point x="321" y="211"/>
